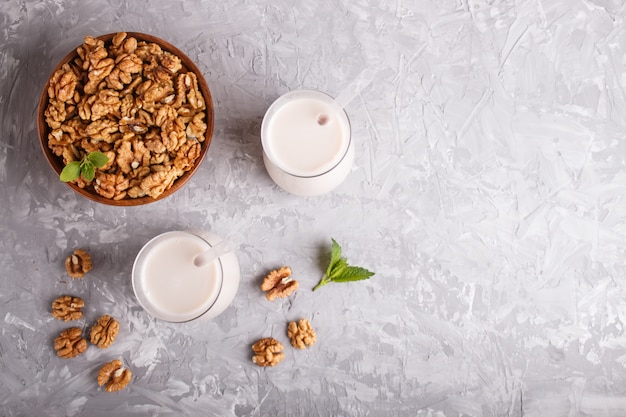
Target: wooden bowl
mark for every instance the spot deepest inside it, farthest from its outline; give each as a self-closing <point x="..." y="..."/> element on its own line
<point x="57" y="163"/>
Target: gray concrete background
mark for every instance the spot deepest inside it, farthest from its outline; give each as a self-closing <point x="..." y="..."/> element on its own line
<point x="488" y="195"/>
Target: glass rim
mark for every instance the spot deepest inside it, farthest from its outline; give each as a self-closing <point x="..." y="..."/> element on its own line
<point x="146" y="305"/>
<point x="286" y="96"/>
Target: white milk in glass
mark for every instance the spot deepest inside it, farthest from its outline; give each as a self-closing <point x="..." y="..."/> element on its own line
<point x="168" y="284"/>
<point x="307" y="147"/>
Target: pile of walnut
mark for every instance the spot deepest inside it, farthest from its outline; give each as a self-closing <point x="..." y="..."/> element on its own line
<point x="71" y="343"/>
<point x="269" y="351"/>
<point x="134" y="102"/>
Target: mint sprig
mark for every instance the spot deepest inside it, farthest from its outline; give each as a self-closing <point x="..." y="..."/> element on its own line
<point x="87" y="166"/>
<point x="339" y="271"/>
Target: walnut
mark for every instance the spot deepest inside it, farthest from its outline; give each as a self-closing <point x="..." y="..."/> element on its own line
<point x="164" y="114"/>
<point x="78" y="263"/>
<point x="278" y="283"/>
<point x="75" y="128"/>
<point x="70" y="343"/>
<point x="104" y="332"/>
<point x="187" y="154"/>
<point x="63" y="84"/>
<point x="98" y="144"/>
<point x="84" y="107"/>
<point x="130" y="88"/>
<point x="128" y="108"/>
<point x="58" y="141"/>
<point x="196" y="127"/>
<point x="156" y="183"/>
<point x="170" y="62"/>
<point x="117" y="40"/>
<point x="187" y="92"/>
<point x="301" y="334"/>
<point x="136" y="191"/>
<point x="70" y="153"/>
<point x="194" y="96"/>
<point x="67" y="308"/>
<point x="112" y="186"/>
<point x="132" y="155"/>
<point x="156" y="72"/>
<point x="107" y="102"/>
<point x="55" y="114"/>
<point x="102" y="130"/>
<point x="126" y="65"/>
<point x="268" y="352"/>
<point x="151" y="91"/>
<point x="91" y="51"/>
<point x="111" y="155"/>
<point x="98" y="72"/>
<point x="154" y="144"/>
<point x="145" y="50"/>
<point x="173" y="134"/>
<point x="114" y="376"/>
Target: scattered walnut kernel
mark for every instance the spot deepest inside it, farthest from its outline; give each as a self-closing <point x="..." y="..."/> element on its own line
<point x="114" y="376"/>
<point x="104" y="332"/>
<point x="278" y="283"/>
<point x="67" y="308"/>
<point x="78" y="263"/>
<point x="127" y="90"/>
<point x="70" y="343"/>
<point x="268" y="352"/>
<point x="301" y="334"/>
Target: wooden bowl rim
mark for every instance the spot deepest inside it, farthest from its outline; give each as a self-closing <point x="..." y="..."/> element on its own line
<point x="57" y="164"/>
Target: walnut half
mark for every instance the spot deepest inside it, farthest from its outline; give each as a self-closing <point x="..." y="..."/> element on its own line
<point x="78" y="263"/>
<point x="67" y="308"/>
<point x="278" y="283"/>
<point x="70" y="343"/>
<point x="114" y="376"/>
<point x="301" y="334"/>
<point x="268" y="352"/>
<point x="104" y="332"/>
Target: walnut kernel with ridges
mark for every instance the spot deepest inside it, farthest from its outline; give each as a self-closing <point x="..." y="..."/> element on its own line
<point x="78" y="263"/>
<point x="278" y="283"/>
<point x="104" y="332"/>
<point x="301" y="334"/>
<point x="67" y="308"/>
<point x="114" y="376"/>
<point x="268" y="352"/>
<point x="70" y="343"/>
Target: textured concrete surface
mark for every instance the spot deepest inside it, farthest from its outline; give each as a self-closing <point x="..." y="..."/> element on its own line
<point x="488" y="195"/>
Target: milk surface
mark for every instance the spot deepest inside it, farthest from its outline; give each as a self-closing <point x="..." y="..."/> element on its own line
<point x="299" y="144"/>
<point x="174" y="288"/>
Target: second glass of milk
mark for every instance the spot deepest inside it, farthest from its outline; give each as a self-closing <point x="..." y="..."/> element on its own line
<point x="307" y="145"/>
<point x="171" y="287"/>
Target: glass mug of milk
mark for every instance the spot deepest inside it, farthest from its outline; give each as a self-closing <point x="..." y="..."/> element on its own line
<point x="307" y="144"/>
<point x="171" y="287"/>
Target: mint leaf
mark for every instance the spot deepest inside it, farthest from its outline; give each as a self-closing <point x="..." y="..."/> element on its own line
<point x="353" y="273"/>
<point x="70" y="172"/>
<point x="339" y="271"/>
<point x="98" y="159"/>
<point x="338" y="268"/>
<point x="335" y="256"/>
<point x="87" y="166"/>
<point x="88" y="170"/>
